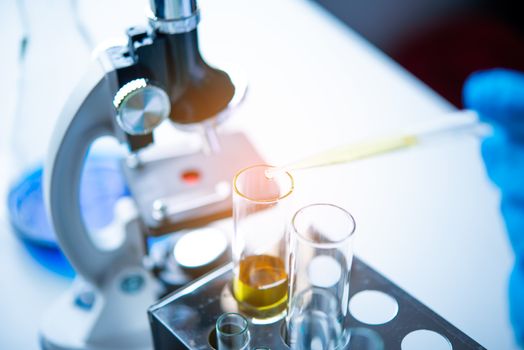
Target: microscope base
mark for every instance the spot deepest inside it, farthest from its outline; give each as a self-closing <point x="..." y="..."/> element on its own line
<point x="113" y="314"/>
<point x="84" y="319"/>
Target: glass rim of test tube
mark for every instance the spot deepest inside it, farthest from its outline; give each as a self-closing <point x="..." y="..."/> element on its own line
<point x="258" y="200"/>
<point x="326" y="244"/>
<point x="243" y="329"/>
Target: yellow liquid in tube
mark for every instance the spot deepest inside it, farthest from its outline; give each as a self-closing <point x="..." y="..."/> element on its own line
<point x="261" y="285"/>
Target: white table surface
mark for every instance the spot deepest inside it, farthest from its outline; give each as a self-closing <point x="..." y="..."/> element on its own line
<point x="426" y="218"/>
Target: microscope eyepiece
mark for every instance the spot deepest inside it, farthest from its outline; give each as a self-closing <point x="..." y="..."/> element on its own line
<point x="174" y="16"/>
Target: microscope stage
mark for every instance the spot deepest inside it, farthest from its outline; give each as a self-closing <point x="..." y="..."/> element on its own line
<point x="191" y="190"/>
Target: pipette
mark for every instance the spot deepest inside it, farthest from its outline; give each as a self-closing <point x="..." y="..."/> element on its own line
<point x="460" y="122"/>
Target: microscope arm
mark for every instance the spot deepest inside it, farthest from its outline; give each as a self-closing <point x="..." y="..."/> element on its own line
<point x="88" y="114"/>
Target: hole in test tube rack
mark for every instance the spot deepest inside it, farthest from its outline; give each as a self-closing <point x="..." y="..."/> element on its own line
<point x="425" y="339"/>
<point x="324" y="271"/>
<point x="373" y="307"/>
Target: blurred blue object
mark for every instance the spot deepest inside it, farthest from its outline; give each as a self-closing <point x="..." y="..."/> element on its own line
<point x="50" y="257"/>
<point x="498" y="96"/>
<point x="102" y="185"/>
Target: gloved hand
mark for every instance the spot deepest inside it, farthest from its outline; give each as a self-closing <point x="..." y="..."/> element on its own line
<point x="498" y="96"/>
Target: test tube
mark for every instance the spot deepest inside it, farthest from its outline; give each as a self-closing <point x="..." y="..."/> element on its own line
<point x="365" y="339"/>
<point x="232" y="332"/>
<point x="320" y="258"/>
<point x="261" y="212"/>
<point x="313" y="321"/>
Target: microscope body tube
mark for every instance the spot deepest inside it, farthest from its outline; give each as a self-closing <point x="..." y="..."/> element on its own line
<point x="169" y="10"/>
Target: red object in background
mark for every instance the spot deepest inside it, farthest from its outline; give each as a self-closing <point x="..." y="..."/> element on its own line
<point x="190" y="177"/>
<point x="444" y="55"/>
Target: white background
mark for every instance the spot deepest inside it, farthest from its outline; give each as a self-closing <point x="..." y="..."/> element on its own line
<point x="426" y="218"/>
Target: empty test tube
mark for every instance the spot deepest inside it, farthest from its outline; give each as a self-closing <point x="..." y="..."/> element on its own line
<point x="232" y="332"/>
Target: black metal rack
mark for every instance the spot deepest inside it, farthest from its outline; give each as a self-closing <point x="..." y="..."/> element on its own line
<point x="186" y="318"/>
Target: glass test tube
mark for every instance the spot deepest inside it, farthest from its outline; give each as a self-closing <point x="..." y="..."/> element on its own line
<point x="365" y="339"/>
<point x="313" y="321"/>
<point x="232" y="332"/>
<point x="260" y="213"/>
<point x="320" y="257"/>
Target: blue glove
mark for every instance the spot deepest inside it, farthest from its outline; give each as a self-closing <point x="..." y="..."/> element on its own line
<point x="498" y="96"/>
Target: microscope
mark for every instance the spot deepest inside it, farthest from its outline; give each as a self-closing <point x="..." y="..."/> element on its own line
<point x="128" y="91"/>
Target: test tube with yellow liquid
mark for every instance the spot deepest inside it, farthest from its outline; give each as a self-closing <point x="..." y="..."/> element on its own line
<point x="261" y="210"/>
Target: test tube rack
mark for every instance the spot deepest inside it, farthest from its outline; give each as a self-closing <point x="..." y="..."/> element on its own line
<point x="186" y="318"/>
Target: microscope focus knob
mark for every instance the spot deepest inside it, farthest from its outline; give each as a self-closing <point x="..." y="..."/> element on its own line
<point x="141" y="107"/>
